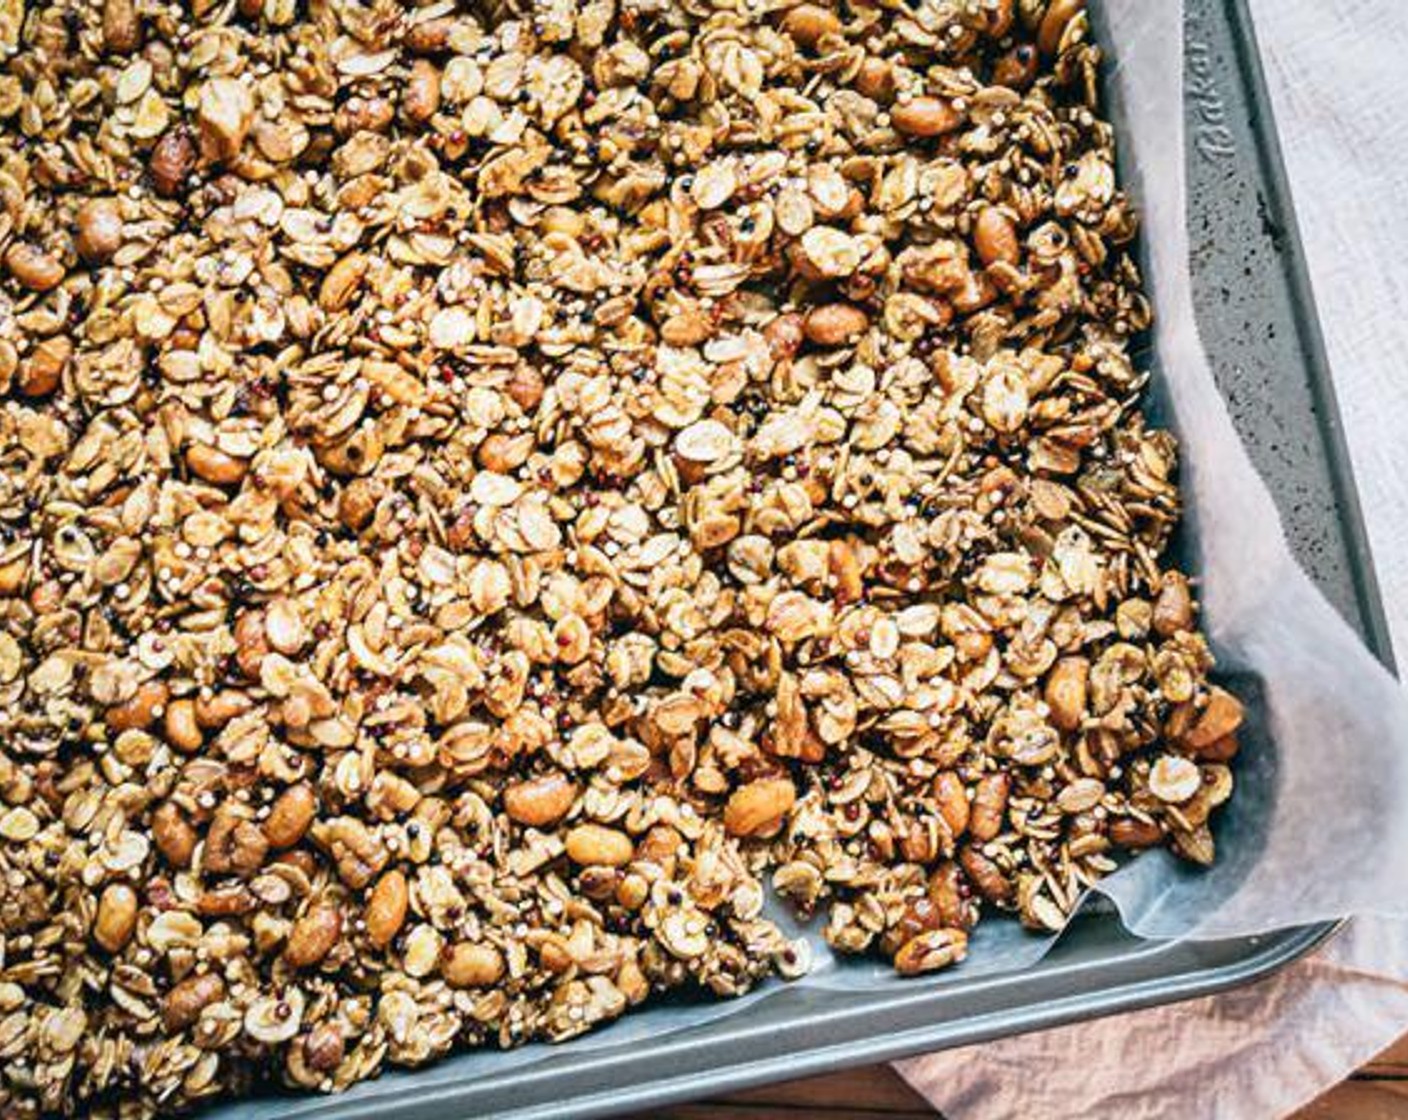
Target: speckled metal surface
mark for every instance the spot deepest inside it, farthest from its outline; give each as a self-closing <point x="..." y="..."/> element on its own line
<point x="1259" y="329"/>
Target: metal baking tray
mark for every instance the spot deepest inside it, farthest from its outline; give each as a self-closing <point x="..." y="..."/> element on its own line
<point x="1258" y="324"/>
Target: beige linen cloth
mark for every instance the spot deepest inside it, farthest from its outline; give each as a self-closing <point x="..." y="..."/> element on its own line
<point x="1335" y="71"/>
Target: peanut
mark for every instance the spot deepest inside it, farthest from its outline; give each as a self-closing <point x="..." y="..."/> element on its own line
<point x="116" y="918"/>
<point x="184" y="1003"/>
<point x="290" y="816"/>
<point x="429" y="36"/>
<point x="32" y="267"/>
<point x="807" y="23"/>
<point x="214" y="711"/>
<point x="214" y="466"/>
<point x="122" y="27"/>
<point x="1221" y="717"/>
<point x="324" y="1048"/>
<point x="98" y="232"/>
<point x="42" y="370"/>
<point x="386" y="908"/>
<point x="592" y="845"/>
<point x="925" y="117"/>
<point x="540" y="801"/>
<point x="313" y="936"/>
<point x="995" y="237"/>
<point x="181" y="726"/>
<point x="876" y="80"/>
<point x="141" y="711"/>
<point x="835" y="324"/>
<point x="468" y="965"/>
<point x="172" y="160"/>
<point x="175" y="837"/>
<point x="759" y="807"/>
<point x="1173" y="609"/>
<point x="1131" y="832"/>
<point x="421" y="97"/>
<point x="251" y="642"/>
<point x="1065" y="692"/>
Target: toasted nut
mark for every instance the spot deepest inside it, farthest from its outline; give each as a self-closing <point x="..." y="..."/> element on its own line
<point x="184" y="1003"/>
<point x="215" y="711"/>
<point x="467" y="965"/>
<point x="429" y="36"/>
<point x="836" y="324"/>
<point x="540" y="801"/>
<point x="224" y="112"/>
<point x="784" y="335"/>
<point x="992" y="884"/>
<point x="324" y="1047"/>
<point x="989" y="806"/>
<point x="172" y="161"/>
<point x="356" y="506"/>
<point x="1066" y="692"/>
<point x="33" y="267"/>
<point x="1174" y="779"/>
<point x="952" y="798"/>
<point x="995" y="237"/>
<point x="116" y="918"/>
<point x="1173" y="609"/>
<point x="122" y="27"/>
<point x="144" y="708"/>
<point x="933" y="950"/>
<point x="950" y="896"/>
<point x="233" y="846"/>
<point x="1132" y="832"/>
<point x="1222" y="716"/>
<point x="525" y="386"/>
<point x="594" y="844"/>
<point x="1017" y="68"/>
<point x="98" y="234"/>
<point x="925" y="116"/>
<point x="807" y="23"/>
<point x="386" y="908"/>
<point x="313" y="936"/>
<point x="214" y="466"/>
<point x="421" y="96"/>
<point x="175" y="838"/>
<point x="42" y="370"/>
<point x="181" y="727"/>
<point x="759" y="807"/>
<point x="290" y="816"/>
<point x="1059" y="14"/>
<point x="251" y="643"/>
<point x="876" y="79"/>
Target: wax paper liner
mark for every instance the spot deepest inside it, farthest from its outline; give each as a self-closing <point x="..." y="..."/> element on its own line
<point x="1318" y="826"/>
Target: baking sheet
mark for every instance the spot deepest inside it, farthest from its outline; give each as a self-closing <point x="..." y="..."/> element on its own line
<point x="1311" y="831"/>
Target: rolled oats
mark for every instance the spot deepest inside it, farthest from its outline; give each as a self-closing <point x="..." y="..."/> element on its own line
<point x="489" y="488"/>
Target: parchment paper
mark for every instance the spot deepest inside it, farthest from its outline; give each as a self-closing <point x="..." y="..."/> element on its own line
<point x="1318" y="826"/>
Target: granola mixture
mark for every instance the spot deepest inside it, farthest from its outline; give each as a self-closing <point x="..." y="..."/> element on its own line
<point x="487" y="493"/>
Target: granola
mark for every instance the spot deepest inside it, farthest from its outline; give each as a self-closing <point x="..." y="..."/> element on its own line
<point x="491" y="491"/>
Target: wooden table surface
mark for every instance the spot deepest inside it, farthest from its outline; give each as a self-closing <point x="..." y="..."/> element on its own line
<point x="1377" y="1092"/>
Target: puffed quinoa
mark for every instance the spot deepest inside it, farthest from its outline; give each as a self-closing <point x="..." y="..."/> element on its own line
<point x="491" y="489"/>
